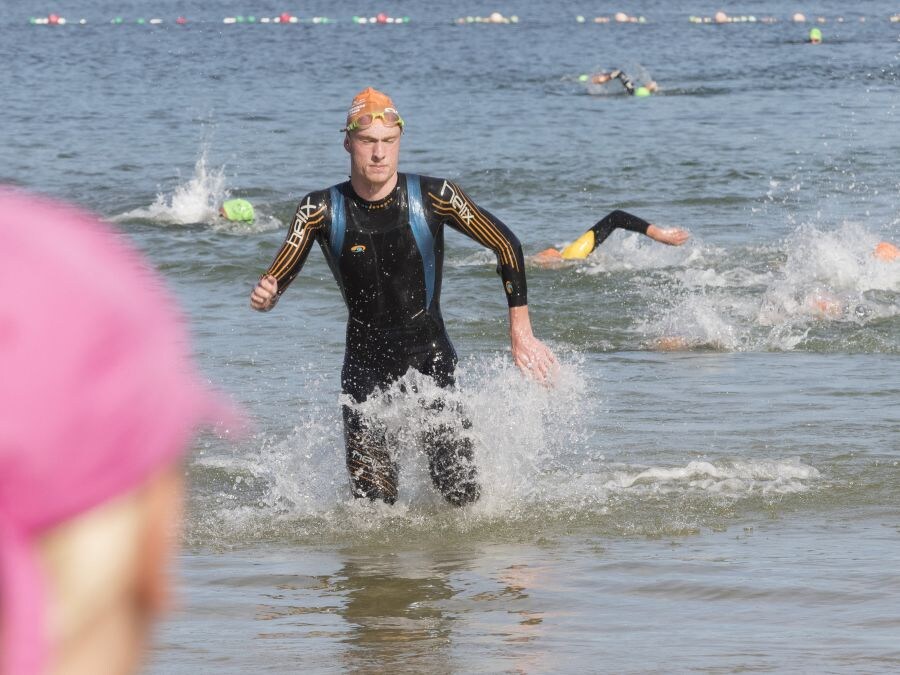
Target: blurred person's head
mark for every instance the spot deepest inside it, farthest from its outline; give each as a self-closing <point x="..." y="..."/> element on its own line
<point x="99" y="399"/>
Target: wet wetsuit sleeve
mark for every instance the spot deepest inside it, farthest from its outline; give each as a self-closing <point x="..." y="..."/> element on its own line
<point x="453" y="206"/>
<point x="311" y="216"/>
<point x="617" y="219"/>
<point x="628" y="84"/>
<point x="585" y="244"/>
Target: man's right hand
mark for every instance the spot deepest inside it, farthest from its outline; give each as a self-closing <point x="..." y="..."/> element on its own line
<point x="265" y="295"/>
<point x="673" y="236"/>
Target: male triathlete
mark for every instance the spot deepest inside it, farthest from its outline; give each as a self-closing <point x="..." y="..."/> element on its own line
<point x="382" y="233"/>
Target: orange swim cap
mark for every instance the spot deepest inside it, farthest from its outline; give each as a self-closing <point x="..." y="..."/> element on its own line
<point x="369" y="101"/>
<point x="886" y="251"/>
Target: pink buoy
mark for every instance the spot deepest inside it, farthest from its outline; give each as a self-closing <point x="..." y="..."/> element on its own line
<point x="382" y="17"/>
<point x="181" y="21"/>
<point x="285" y="17"/>
<point x="53" y="19"/>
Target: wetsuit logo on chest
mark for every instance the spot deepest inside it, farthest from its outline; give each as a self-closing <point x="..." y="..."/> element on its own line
<point x="358" y="248"/>
<point x="458" y="203"/>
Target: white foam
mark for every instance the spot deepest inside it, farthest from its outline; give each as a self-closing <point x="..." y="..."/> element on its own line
<point x="636" y="252"/>
<point x="773" y="297"/>
<point x="694" y="320"/>
<point x="734" y="479"/>
<point x="828" y="276"/>
<point x="537" y="455"/>
<point x="197" y="201"/>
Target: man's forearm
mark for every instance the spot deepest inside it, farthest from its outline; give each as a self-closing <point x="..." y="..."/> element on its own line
<point x="519" y="322"/>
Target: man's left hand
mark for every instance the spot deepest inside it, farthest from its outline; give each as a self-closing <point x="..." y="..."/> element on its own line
<point x="534" y="358"/>
<point x="531" y="355"/>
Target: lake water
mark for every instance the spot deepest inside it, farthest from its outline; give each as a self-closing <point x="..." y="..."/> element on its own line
<point x="733" y="505"/>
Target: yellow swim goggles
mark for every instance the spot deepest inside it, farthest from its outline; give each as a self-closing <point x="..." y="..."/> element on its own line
<point x="389" y="116"/>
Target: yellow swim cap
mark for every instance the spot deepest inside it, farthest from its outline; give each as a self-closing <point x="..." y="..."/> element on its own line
<point x="580" y="248"/>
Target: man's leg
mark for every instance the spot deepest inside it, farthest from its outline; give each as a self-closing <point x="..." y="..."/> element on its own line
<point x="373" y="472"/>
<point x="451" y="459"/>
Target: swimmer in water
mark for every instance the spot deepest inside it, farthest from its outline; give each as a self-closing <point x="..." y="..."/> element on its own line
<point x="604" y="78"/>
<point x="582" y="247"/>
<point x="237" y="210"/>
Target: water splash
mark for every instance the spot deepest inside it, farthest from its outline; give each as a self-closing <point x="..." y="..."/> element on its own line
<point x="818" y="289"/>
<point x="197" y="201"/>
<point x="539" y="464"/>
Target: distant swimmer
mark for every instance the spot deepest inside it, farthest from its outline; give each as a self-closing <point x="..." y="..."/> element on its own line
<point x="382" y="234"/>
<point x="237" y="210"/>
<point x="585" y="244"/>
<point x="815" y="36"/>
<point x="604" y="78"/>
<point x="886" y="251"/>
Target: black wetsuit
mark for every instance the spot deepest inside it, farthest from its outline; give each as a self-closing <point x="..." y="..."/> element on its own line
<point x="387" y="258"/>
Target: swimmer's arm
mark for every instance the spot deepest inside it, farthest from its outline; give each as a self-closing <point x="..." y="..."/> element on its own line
<point x="289" y="260"/>
<point x="532" y="356"/>
<point x="585" y="244"/>
<point x="590" y="240"/>
<point x="628" y="84"/>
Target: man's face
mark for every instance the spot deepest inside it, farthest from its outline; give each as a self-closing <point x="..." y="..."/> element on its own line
<point x="374" y="152"/>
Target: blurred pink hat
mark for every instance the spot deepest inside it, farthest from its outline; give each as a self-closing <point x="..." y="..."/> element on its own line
<point x="97" y="391"/>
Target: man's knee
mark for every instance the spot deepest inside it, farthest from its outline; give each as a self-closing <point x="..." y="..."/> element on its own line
<point x="373" y="471"/>
<point x="373" y="474"/>
<point x="451" y="462"/>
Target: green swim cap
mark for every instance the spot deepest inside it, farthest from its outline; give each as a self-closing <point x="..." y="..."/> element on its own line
<point x="642" y="91"/>
<point x="815" y="35"/>
<point x="582" y="78"/>
<point x="238" y="209"/>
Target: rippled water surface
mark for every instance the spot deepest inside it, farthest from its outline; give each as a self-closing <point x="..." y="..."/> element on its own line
<point x="713" y="483"/>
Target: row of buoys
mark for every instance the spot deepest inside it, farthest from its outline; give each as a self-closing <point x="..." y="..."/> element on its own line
<point x="618" y="17"/>
<point x="381" y="18"/>
<point x="56" y="20"/>
<point x="494" y="18"/>
<point x="721" y="17"/>
<point x="798" y="17"/>
<point x="283" y="18"/>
